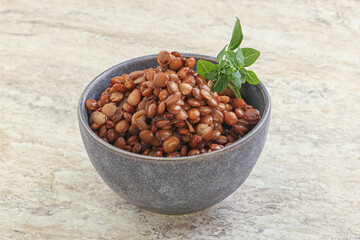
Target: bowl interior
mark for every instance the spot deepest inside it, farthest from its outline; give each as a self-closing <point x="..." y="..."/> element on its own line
<point x="254" y="95"/>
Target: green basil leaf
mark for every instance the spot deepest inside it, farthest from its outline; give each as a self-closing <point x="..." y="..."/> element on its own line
<point x="237" y="35"/>
<point x="237" y="83"/>
<point x="228" y="71"/>
<point x="243" y="80"/>
<point x="250" y="56"/>
<point x="231" y="58"/>
<point x="211" y="75"/>
<point x="221" y="54"/>
<point x="240" y="56"/>
<point x="203" y="67"/>
<point x="236" y="74"/>
<point x="236" y="79"/>
<point x="220" y="84"/>
<point x="235" y="90"/>
<point x="243" y="71"/>
<point x="252" y="78"/>
<point x="222" y="64"/>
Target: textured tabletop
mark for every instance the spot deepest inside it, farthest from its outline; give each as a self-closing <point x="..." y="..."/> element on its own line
<point x="306" y="184"/>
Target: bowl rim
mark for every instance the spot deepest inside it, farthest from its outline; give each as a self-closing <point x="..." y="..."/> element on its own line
<point x="182" y="159"/>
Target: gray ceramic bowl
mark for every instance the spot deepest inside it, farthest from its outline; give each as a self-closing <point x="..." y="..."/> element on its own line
<point x="173" y="185"/>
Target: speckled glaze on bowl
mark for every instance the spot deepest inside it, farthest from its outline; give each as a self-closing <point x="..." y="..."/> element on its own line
<point x="173" y="185"/>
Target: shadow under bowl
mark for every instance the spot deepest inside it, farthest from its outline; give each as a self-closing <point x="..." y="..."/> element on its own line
<point x="175" y="185"/>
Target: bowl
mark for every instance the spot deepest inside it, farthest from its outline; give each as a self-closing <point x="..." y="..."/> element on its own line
<point x="176" y="185"/>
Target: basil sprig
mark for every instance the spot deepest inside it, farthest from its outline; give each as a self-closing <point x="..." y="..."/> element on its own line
<point x="230" y="70"/>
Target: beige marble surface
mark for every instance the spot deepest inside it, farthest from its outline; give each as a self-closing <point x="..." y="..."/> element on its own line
<point x="306" y="185"/>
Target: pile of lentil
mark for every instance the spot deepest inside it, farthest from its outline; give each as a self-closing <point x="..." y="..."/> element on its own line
<point x="169" y="111"/>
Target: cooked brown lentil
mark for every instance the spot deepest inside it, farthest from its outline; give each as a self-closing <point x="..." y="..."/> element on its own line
<point x="169" y="111"/>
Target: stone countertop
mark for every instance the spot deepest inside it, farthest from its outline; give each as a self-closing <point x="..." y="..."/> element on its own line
<point x="306" y="184"/>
